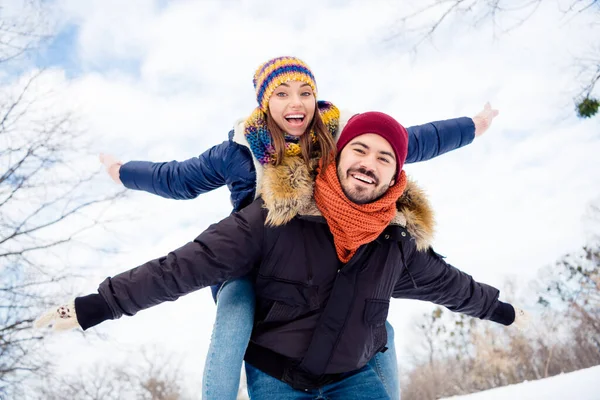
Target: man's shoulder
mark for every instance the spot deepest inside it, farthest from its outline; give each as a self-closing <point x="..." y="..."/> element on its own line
<point x="254" y="212"/>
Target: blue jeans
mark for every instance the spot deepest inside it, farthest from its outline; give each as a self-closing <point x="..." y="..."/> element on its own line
<point x="386" y="366"/>
<point x="230" y="337"/>
<point x="231" y="334"/>
<point x="358" y="385"/>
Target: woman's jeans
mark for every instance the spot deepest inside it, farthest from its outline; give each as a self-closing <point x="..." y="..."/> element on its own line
<point x="230" y="337"/>
<point x="231" y="334"/>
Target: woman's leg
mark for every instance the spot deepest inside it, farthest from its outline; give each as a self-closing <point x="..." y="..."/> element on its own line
<point x="230" y="337"/>
<point x="386" y="366"/>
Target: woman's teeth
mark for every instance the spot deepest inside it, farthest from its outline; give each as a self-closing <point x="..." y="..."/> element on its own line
<point x="295" y="118"/>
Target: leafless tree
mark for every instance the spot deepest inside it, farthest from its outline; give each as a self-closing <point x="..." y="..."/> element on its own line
<point x="47" y="197"/>
<point x="564" y="335"/>
<point x="143" y="377"/>
<point x="425" y="22"/>
<point x="22" y="29"/>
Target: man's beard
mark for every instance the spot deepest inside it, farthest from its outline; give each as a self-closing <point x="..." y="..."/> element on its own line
<point x="359" y="194"/>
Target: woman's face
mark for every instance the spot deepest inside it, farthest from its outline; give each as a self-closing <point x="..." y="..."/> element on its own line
<point x="292" y="107"/>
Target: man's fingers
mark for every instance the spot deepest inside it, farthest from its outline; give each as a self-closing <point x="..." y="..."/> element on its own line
<point x="65" y="324"/>
<point x="45" y="320"/>
<point x="522" y="319"/>
<point x="61" y="318"/>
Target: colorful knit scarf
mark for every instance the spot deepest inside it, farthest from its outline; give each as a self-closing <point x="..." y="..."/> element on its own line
<point x="354" y="224"/>
<point x="261" y="141"/>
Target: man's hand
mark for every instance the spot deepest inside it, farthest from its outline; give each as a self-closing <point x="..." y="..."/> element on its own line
<point x="484" y="119"/>
<point x="112" y="166"/>
<point x="522" y="319"/>
<point x="61" y="318"/>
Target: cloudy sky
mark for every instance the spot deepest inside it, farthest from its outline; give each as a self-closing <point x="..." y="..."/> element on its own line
<point x="158" y="80"/>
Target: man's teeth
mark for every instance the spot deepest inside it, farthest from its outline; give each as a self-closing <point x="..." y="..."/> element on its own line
<point x="363" y="178"/>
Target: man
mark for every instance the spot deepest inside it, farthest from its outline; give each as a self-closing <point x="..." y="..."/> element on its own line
<point x="323" y="280"/>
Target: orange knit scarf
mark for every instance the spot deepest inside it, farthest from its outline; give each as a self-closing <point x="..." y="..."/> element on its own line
<point x="353" y="224"/>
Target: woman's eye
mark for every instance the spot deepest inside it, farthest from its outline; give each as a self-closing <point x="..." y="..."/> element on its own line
<point x="281" y="94"/>
<point x="307" y="94"/>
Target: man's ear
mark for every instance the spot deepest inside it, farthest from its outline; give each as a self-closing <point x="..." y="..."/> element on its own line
<point x="392" y="182"/>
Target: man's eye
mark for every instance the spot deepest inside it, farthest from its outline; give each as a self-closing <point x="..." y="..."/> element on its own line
<point x="385" y="160"/>
<point x="359" y="151"/>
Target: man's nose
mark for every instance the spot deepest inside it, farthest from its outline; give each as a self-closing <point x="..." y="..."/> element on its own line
<point x="368" y="163"/>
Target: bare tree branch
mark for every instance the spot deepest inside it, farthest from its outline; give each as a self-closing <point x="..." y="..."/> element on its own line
<point x="12" y="106"/>
<point x="493" y="11"/>
<point x="48" y="202"/>
<point x="22" y="32"/>
<point x="51" y="222"/>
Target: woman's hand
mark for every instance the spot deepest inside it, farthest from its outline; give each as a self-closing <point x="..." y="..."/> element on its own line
<point x="113" y="166"/>
<point x="484" y="119"/>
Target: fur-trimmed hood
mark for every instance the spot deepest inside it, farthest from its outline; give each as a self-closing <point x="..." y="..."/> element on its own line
<point x="287" y="191"/>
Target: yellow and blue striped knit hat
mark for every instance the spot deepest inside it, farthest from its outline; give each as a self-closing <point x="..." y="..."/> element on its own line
<point x="277" y="71"/>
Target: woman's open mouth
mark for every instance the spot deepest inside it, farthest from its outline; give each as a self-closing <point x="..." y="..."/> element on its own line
<point x="295" y="119"/>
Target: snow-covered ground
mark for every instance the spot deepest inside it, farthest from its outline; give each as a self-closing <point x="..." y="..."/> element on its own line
<point x="580" y="385"/>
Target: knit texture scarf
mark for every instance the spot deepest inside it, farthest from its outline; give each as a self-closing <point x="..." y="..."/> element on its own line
<point x="261" y="142"/>
<point x="351" y="224"/>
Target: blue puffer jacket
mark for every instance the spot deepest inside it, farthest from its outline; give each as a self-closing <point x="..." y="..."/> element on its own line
<point x="231" y="163"/>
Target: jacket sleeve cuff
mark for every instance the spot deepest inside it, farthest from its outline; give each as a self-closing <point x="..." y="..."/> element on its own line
<point x="91" y="310"/>
<point x="131" y="170"/>
<point x="503" y="314"/>
<point x="454" y="133"/>
<point x="467" y="131"/>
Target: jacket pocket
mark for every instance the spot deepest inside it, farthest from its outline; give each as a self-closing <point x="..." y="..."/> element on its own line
<point x="376" y="312"/>
<point x="289" y="299"/>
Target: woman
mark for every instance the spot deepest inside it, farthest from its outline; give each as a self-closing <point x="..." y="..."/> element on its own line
<point x="288" y="122"/>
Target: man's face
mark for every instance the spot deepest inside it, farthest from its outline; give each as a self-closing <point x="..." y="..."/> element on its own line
<point x="366" y="168"/>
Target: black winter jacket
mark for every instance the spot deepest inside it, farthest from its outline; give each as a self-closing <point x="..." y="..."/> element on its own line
<point x="326" y="316"/>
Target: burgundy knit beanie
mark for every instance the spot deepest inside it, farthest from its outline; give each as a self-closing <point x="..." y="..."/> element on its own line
<point x="380" y="124"/>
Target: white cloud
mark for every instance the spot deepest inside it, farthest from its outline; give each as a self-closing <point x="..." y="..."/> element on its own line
<point x="508" y="204"/>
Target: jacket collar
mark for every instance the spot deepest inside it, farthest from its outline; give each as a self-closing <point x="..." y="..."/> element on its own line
<point x="413" y="215"/>
<point x="287" y="192"/>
